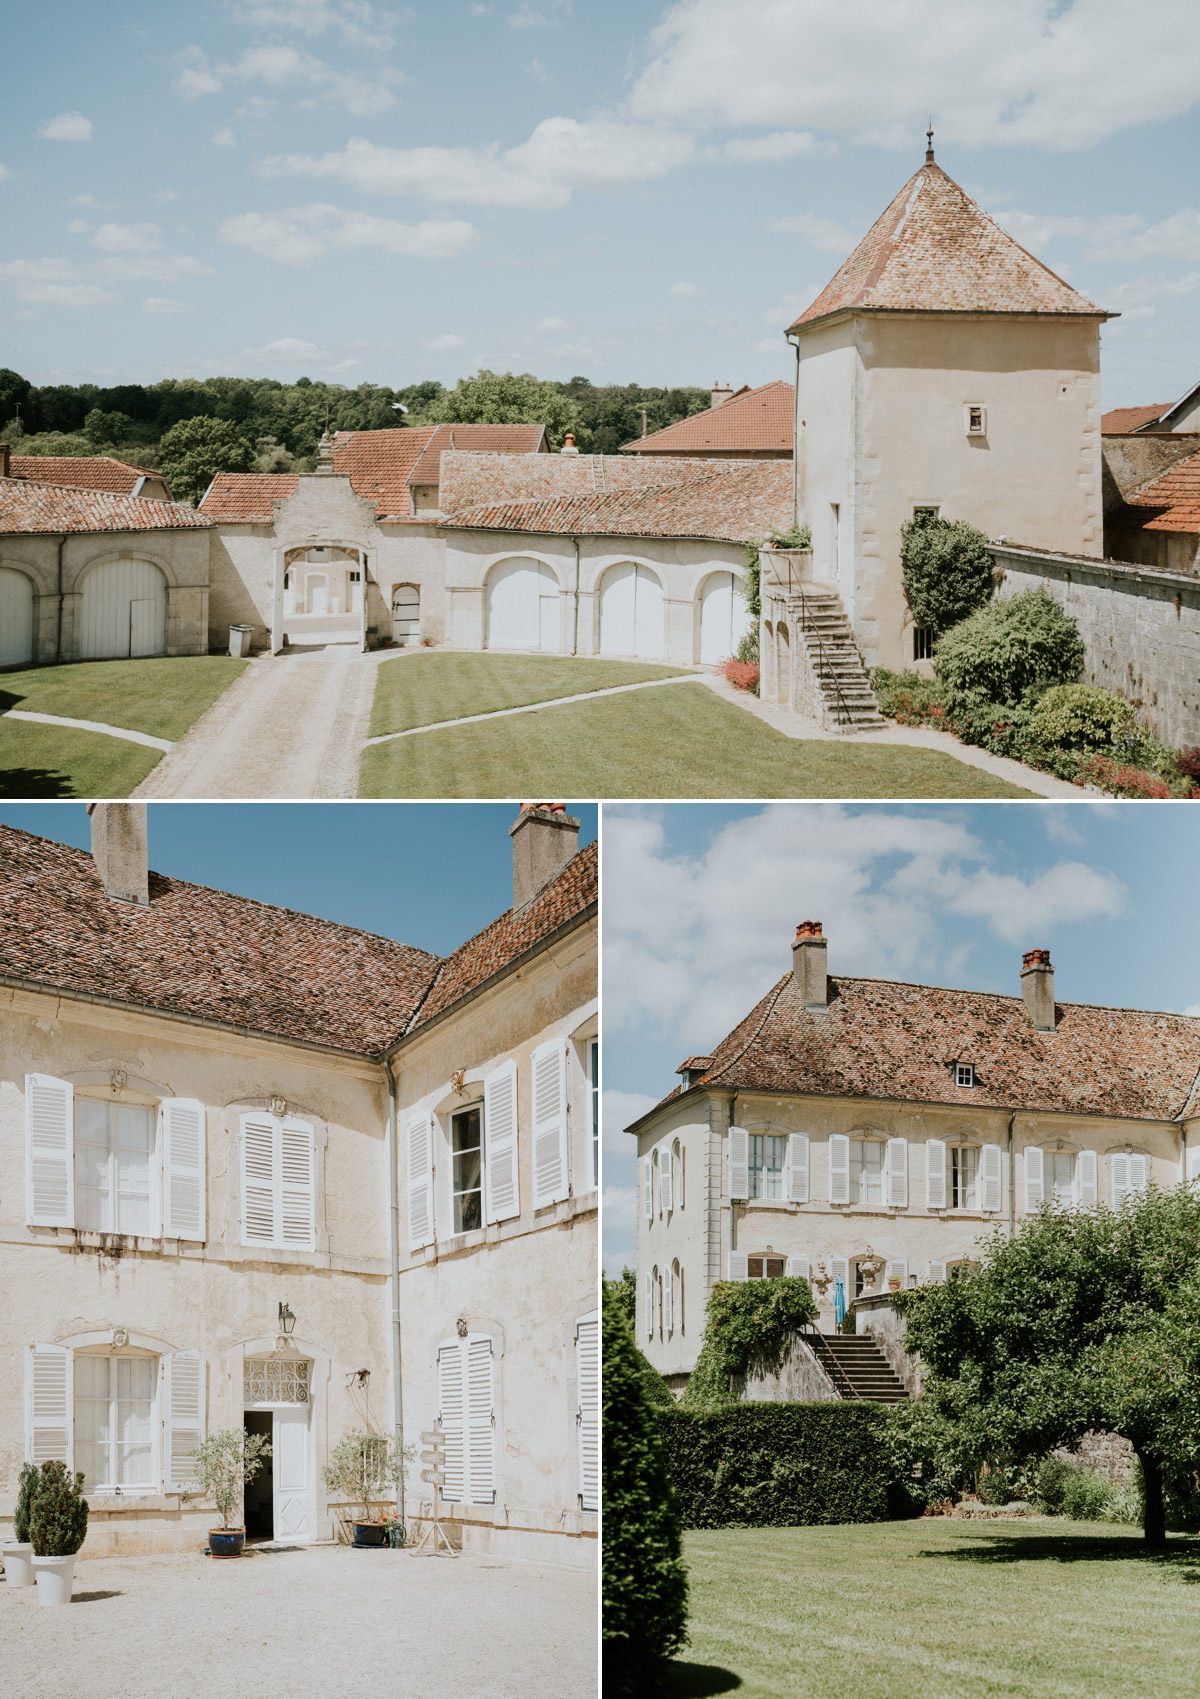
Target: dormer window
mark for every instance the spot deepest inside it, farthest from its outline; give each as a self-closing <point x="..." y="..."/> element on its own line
<point x="964" y="1074"/>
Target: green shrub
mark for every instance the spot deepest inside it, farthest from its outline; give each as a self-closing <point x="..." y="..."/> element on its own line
<point x="908" y="697"/>
<point x="948" y="572"/>
<point x="1083" y="717"/>
<point x="1051" y="1481"/>
<point x="58" y="1513"/>
<point x="624" y="1290"/>
<point x="995" y="1487"/>
<point x="747" y="649"/>
<point x="747" y="1323"/>
<point x="1087" y="1496"/>
<point x="778" y="1465"/>
<point x="644" y="1579"/>
<point x="26" y="1485"/>
<point x="1011" y="650"/>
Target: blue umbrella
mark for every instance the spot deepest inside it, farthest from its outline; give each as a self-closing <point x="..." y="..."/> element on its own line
<point x="839" y="1301"/>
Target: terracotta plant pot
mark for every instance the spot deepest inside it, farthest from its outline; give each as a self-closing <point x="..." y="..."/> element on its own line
<point x="55" y="1577"/>
<point x="18" y="1563"/>
<point x="370" y="1534"/>
<point x="226" y="1542"/>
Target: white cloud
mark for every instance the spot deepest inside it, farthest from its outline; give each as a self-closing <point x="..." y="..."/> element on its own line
<point x="68" y="127"/>
<point x="53" y="283"/>
<point x="537" y="71"/>
<point x="778" y="145"/>
<point x="1027" y="73"/>
<point x="618" y="1109"/>
<point x="163" y="304"/>
<point x="1193" y="1009"/>
<point x="89" y="200"/>
<point x="561" y="156"/>
<point x="788" y="307"/>
<point x="304" y="234"/>
<point x="549" y="326"/>
<point x="824" y="233"/>
<point x="283" y="351"/>
<point x="4" y="172"/>
<point x="128" y="238"/>
<point x="353" y="20"/>
<point x="683" y="291"/>
<point x="1117" y="237"/>
<point x="153" y="268"/>
<point x="282" y="67"/>
<point x="224" y="137"/>
<point x="620" y="1214"/>
<point x="449" y="344"/>
<point x="163" y="195"/>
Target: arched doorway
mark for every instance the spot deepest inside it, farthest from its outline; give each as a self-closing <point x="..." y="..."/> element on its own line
<point x="783" y="667"/>
<point x="523" y="606"/>
<point x="632" y="612"/>
<point x="406" y="615"/>
<point x="16" y="618"/>
<point x="724" y="616"/>
<point x="124" y="611"/>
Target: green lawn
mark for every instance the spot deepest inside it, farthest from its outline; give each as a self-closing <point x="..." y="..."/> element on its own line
<point x="420" y="690"/>
<point x="681" y="741"/>
<point x="58" y="761"/>
<point x="940" y="1610"/>
<point x="163" y="697"/>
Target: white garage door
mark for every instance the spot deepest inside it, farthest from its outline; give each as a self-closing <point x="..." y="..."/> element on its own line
<point x="522" y="606"/>
<point x="124" y="611"/>
<point x="724" y="617"/>
<point x="16" y="618"/>
<point x="631" y="612"/>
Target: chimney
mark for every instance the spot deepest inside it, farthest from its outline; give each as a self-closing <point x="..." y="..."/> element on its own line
<point x="545" y="837"/>
<point x="119" y="850"/>
<point x="5" y="461"/>
<point x="721" y="393"/>
<point x="568" y="446"/>
<point x="808" y="965"/>
<point x="1037" y="988"/>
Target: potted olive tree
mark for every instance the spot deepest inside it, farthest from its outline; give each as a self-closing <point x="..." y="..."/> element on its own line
<point x="58" y="1519"/>
<point x="223" y="1464"/>
<point x="368" y="1468"/>
<point x="18" y="1552"/>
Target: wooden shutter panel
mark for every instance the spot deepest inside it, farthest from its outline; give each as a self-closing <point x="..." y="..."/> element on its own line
<point x="587" y="1380"/>
<point x="418" y="1139"/>
<point x="738" y="1266"/>
<point x="260" y="1180"/>
<point x="666" y="1179"/>
<point x="452" y="1420"/>
<point x="480" y="1423"/>
<point x="1087" y="1179"/>
<point x="1034" y="1185"/>
<point x="182" y="1130"/>
<point x="797" y="1268"/>
<point x="297" y="1185"/>
<point x="937" y="1271"/>
<point x="501" y="1185"/>
<point x="49" y="1151"/>
<point x="935" y="1174"/>
<point x="897" y="1173"/>
<point x="1193" y="1161"/>
<point x="1119" y="1164"/>
<point x="185" y="1378"/>
<point x="739" y="1163"/>
<point x="648" y="1300"/>
<point x="839" y="1168"/>
<point x="49" y="1405"/>
<point x="897" y="1269"/>
<point x="551" y="1175"/>
<point x="648" y="1186"/>
<point x="1137" y="1173"/>
<point x="668" y="1291"/>
<point x="989" y="1161"/>
<point x="797" y="1179"/>
<point x="839" y="1269"/>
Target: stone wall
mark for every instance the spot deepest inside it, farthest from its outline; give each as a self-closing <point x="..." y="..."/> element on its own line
<point x="888" y="1327"/>
<point x="1107" y="1454"/>
<point x="799" y="1379"/>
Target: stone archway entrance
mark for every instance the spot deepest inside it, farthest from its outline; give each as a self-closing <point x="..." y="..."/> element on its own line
<point x="320" y="596"/>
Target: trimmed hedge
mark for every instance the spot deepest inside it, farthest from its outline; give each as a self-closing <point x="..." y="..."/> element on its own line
<point x="778" y="1465"/>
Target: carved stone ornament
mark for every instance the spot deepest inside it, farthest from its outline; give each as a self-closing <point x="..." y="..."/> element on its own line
<point x="120" y="1338"/>
<point x="117" y="1079"/>
<point x="461" y="1325"/>
<point x="279" y="1106"/>
<point x="458" y="1080"/>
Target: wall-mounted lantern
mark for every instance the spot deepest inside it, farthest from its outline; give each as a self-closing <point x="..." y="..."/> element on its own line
<point x="287" y="1321"/>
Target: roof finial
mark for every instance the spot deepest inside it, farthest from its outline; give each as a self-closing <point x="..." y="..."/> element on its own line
<point x="929" y="139"/>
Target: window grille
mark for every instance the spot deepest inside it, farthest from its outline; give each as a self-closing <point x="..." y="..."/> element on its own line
<point x="922" y="643"/>
<point x="276" y="1380"/>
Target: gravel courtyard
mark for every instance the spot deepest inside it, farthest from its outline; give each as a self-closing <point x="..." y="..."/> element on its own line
<point x="321" y="1619"/>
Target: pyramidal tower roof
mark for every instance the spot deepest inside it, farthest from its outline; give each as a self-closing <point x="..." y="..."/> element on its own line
<point x="935" y="251"/>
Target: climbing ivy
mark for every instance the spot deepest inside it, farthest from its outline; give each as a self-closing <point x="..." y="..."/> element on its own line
<point x="795" y="537"/>
<point x="747" y="1322"/>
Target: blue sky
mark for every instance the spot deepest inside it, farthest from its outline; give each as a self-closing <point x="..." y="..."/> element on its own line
<point x="429" y="874"/>
<point x="631" y="192"/>
<point x="701" y="903"/>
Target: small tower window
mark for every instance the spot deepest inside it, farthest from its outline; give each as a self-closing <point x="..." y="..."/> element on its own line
<point x="976" y="419"/>
<point x="922" y="643"/>
<point x="964" y="1073"/>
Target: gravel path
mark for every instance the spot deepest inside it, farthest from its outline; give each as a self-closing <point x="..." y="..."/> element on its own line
<point x="316" y="1620"/>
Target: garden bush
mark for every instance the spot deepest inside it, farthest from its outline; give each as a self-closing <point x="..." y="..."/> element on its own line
<point x="1011" y="650"/>
<point x="908" y="697"/>
<point x="745" y="1323"/>
<point x="1086" y="1496"/>
<point x="26" y="1487"/>
<point x="948" y="572"/>
<point x="778" y="1465"/>
<point x="1051" y="1483"/>
<point x="742" y="675"/>
<point x="58" y="1512"/>
<point x="1083" y="717"/>
<point x="747" y="649"/>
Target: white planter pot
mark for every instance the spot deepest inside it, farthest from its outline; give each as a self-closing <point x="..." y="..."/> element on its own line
<point x="54" y="1576"/>
<point x="18" y="1563"/>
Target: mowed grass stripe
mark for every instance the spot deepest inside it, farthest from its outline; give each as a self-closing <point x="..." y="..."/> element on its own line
<point x="683" y="742"/>
<point x="40" y="761"/>
<point x="163" y="697"/>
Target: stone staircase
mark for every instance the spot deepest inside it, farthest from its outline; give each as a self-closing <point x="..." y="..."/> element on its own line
<point x="833" y="662"/>
<point x="857" y="1367"/>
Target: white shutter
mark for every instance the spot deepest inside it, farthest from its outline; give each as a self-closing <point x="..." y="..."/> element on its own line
<point x="260" y="1180"/>
<point x="1137" y="1173"/>
<point x="648" y="1300"/>
<point x="501" y="1185"/>
<point x="418" y="1138"/>
<point x="935" y="1174"/>
<point x="839" y="1168"/>
<point x="648" y="1186"/>
<point x="452" y="1420"/>
<point x="797" y="1268"/>
<point x="897" y="1173"/>
<point x="480" y="1422"/>
<point x="185" y="1376"/>
<point x="587" y="1381"/>
<point x="1119" y="1166"/>
<point x="989" y="1159"/>
<point x="898" y="1270"/>
<point x="839" y="1269"/>
<point x="49" y="1151"/>
<point x="797" y="1176"/>
<point x="297" y="1185"/>
<point x="1193" y="1161"/>
<point x="739" y="1163"/>
<point x="49" y="1405"/>
<point x="937" y="1271"/>
<point x="1034" y="1187"/>
<point x="182" y="1132"/>
<point x="551" y="1176"/>
<point x="668" y="1291"/>
<point x="738" y="1266"/>
<point x="1087" y="1179"/>
<point x="666" y="1180"/>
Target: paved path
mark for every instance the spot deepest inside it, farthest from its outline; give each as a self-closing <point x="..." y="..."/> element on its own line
<point x="532" y="707"/>
<point x="86" y="726"/>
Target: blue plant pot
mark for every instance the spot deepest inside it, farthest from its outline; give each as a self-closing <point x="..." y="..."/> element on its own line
<point x="226" y="1542"/>
<point x="370" y="1534"/>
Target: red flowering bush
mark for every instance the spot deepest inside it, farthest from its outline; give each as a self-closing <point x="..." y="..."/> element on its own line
<point x="1120" y="780"/>
<point x="743" y="675"/>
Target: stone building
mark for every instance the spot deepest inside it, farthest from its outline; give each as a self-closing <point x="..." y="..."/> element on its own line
<point x="201" y="1185"/>
<point x="743" y="424"/>
<point x="873" y="1132"/>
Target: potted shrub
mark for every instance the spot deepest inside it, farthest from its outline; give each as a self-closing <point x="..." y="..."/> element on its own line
<point x="369" y="1468"/>
<point x="58" y="1519"/>
<point x="223" y="1464"/>
<point x="18" y="1552"/>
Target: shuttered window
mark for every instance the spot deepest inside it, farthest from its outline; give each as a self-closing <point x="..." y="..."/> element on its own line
<point x="935" y="1174"/>
<point x="1034" y="1181"/>
<point x="587" y="1381"/>
<point x="113" y="1151"/>
<point x="418" y="1140"/>
<point x="897" y="1173"/>
<point x="182" y="1124"/>
<point x="666" y="1179"/>
<point x="278" y="1182"/>
<point x="990" y="1183"/>
<point x="868" y="1170"/>
<point x="466" y="1415"/>
<point x="49" y="1156"/>
<point x="502" y="1195"/>
<point x="49" y="1426"/>
<point x="767" y="1156"/>
<point x="1128" y="1176"/>
<point x="185" y="1423"/>
<point x="551" y="1173"/>
<point x="839" y="1168"/>
<point x="739" y="1163"/>
<point x="798" y="1267"/>
<point x="797" y="1168"/>
<point x="648" y="1187"/>
<point x="739" y="1268"/>
<point x="115" y="1423"/>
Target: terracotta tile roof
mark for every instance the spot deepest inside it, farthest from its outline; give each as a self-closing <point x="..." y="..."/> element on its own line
<point x="759" y="420"/>
<point x="572" y="892"/>
<point x="1176" y="493"/>
<point x="246" y="498"/>
<point x="82" y="471"/>
<point x="203" y="953"/>
<point x="935" y="251"/>
<point x="885" y="1040"/>
<point x="377" y="464"/>
<point x="477" y="439"/>
<point x="1122" y="419"/>
<point x="26" y="507"/>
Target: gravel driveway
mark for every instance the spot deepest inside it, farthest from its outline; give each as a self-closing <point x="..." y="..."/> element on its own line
<point x="316" y="1620"/>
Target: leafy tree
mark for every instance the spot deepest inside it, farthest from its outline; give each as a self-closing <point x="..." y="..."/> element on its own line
<point x="14" y="397"/>
<point x="194" y="451"/>
<point x="947" y="570"/>
<point x="223" y="1463"/>
<point x="105" y="429"/>
<point x="748" y="1323"/>
<point x="624" y="1290"/>
<point x="1083" y="1320"/>
<point x="1014" y="648"/>
<point x="510" y="398"/>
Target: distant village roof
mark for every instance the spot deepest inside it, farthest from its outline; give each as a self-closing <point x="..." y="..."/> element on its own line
<point x="752" y="420"/>
<point x="480" y="439"/>
<point x="83" y="472"/>
<point x="888" y="1040"/>
<point x="247" y="497"/>
<point x="1123" y="419"/>
<point x="1176" y="493"/>
<point x="27" y="508"/>
<point x="935" y="251"/>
